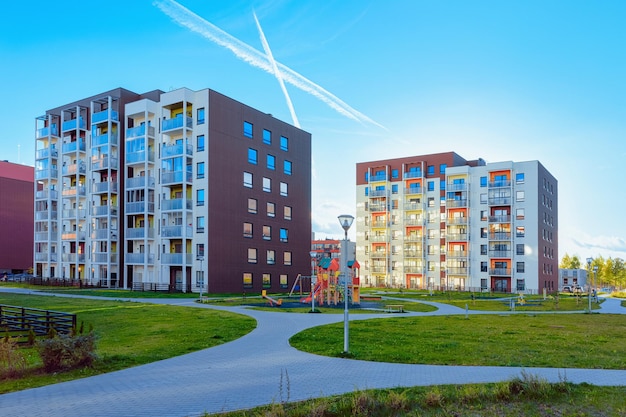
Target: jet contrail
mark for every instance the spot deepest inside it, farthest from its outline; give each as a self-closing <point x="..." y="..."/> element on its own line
<point x="245" y="52"/>
<point x="270" y="56"/>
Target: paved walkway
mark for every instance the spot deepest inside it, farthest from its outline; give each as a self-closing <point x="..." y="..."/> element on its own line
<point x="259" y="368"/>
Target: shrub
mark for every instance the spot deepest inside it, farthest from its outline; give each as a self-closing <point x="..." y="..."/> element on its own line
<point x="67" y="351"/>
<point x="12" y="361"/>
<point x="434" y="398"/>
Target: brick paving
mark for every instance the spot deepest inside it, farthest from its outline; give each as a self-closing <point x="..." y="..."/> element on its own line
<point x="248" y="372"/>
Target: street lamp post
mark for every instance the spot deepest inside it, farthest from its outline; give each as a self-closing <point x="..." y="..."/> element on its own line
<point x="313" y="258"/>
<point x="589" y="260"/>
<point x="346" y="221"/>
<point x="201" y="258"/>
<point x="595" y="279"/>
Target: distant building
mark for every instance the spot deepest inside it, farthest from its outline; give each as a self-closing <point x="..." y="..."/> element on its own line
<point x="439" y="221"/>
<point x="182" y="190"/>
<point x="331" y="248"/>
<point x="16" y="217"/>
<point x="572" y="277"/>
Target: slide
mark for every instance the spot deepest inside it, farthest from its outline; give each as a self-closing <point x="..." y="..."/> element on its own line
<point x="272" y="301"/>
<point x="316" y="289"/>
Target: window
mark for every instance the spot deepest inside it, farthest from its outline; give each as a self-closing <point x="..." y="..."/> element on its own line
<point x="271" y="162"/>
<point x="200" y="197"/>
<point x="252" y="156"/>
<point x="247" y="230"/>
<point x="431" y="170"/>
<point x="483" y="232"/>
<point x="251" y="255"/>
<point x="394" y="189"/>
<point x="287" y="213"/>
<point x="519" y="249"/>
<point x="267" y="185"/>
<point x="483" y="267"/>
<point x="283" y="189"/>
<point x="247" y="280"/>
<point x="431" y="185"/>
<point x="267" y="280"/>
<point x="200" y="116"/>
<point x="395" y="174"/>
<point x="519" y="196"/>
<point x="442" y="185"/>
<point x="267" y="137"/>
<point x="247" y="129"/>
<point x="284" y="235"/>
<point x="442" y="168"/>
<point x="200" y="249"/>
<point x="287" y="258"/>
<point x="200" y="143"/>
<point x="287" y="167"/>
<point x="520" y="285"/>
<point x="431" y="201"/>
<point x="519" y="214"/>
<point x="284" y="143"/>
<point x="483" y="249"/>
<point x="271" y="210"/>
<point x="252" y="205"/>
<point x="284" y="281"/>
<point x="271" y="257"/>
<point x="519" y="178"/>
<point x="200" y="224"/>
<point x="200" y="170"/>
<point x="483" y="181"/>
<point x="520" y="266"/>
<point x="267" y="232"/>
<point x="520" y="231"/>
<point x="483" y="198"/>
<point x="367" y="191"/>
<point x="247" y="179"/>
<point x="483" y="215"/>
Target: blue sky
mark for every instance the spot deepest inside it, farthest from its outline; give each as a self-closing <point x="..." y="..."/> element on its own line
<point x="515" y="80"/>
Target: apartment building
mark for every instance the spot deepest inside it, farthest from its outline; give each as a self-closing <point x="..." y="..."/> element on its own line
<point x="16" y="218"/>
<point x="182" y="190"/>
<point x="439" y="221"/>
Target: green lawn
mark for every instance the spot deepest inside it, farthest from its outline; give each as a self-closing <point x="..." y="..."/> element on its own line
<point x="131" y="334"/>
<point x="542" y="340"/>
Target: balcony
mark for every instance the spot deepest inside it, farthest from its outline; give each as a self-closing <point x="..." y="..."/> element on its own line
<point x="104" y="258"/>
<point x="499" y="183"/>
<point x="377" y="178"/>
<point x="104" y="210"/>
<point x="73" y="169"/>
<point x="44" y="132"/>
<point x="378" y="224"/>
<point x="176" y="258"/>
<point x="500" y="219"/>
<point x="413" y="270"/>
<point x="104" y="234"/>
<point x="176" y="232"/>
<point x="414" y="222"/>
<point x="140" y="182"/>
<point x="47" y="152"/>
<point x="139" y="131"/>
<point x="457" y="254"/>
<point x="139" y="258"/>
<point x="43" y="257"/>
<point x="500" y="236"/>
<point x="74" y="213"/>
<point x="413" y="238"/>
<point x="456" y="187"/>
<point x="45" y="194"/>
<point x="73" y="124"/>
<point x="139" y="157"/>
<point x="378" y="269"/>
<point x="105" y="115"/>
<point x="413" y="190"/>
<point x="500" y="271"/>
<point x="499" y="201"/>
<point x="176" y="123"/>
<point x="139" y="207"/>
<point x="46" y="236"/>
<point x="456" y="203"/>
<point x="46" y="215"/>
<point x="378" y="238"/>
<point x="457" y="271"/>
<point x="104" y="163"/>
<point x="456" y="237"/>
<point x="104" y="187"/>
<point x="456" y="220"/>
<point x="177" y="204"/>
<point x="74" y="146"/>
<point x="413" y="206"/>
<point x="175" y="177"/>
<point x="74" y="235"/>
<point x="500" y="253"/>
<point x="140" y="233"/>
<point x="413" y="174"/>
<point x="104" y="140"/>
<point x="379" y="254"/>
<point x="168" y="151"/>
<point x="378" y="207"/>
<point x="413" y="253"/>
<point x="80" y="191"/>
<point x="45" y="174"/>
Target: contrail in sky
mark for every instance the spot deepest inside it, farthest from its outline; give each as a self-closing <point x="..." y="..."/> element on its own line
<point x="270" y="56"/>
<point x="245" y="52"/>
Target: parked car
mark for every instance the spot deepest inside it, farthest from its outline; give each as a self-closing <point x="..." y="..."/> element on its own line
<point x="567" y="288"/>
<point x="578" y="289"/>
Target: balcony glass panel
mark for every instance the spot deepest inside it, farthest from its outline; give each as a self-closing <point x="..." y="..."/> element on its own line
<point x="139" y="207"/>
<point x="104" y="210"/>
<point x="176" y="258"/>
<point x="172" y="177"/>
<point x="499" y="271"/>
<point x="74" y="146"/>
<point x="177" y="204"/>
<point x="104" y="187"/>
<point x="176" y="231"/>
<point x="176" y="150"/>
<point x="46" y="174"/>
<point x="104" y="140"/>
<point x="137" y="157"/>
<point x="140" y="182"/>
<point x="140" y="233"/>
<point x="47" y="152"/>
<point x="104" y="163"/>
<point x="72" y="124"/>
<point x="104" y="115"/>
<point x="73" y="169"/>
<point x="51" y="130"/>
<point x="44" y="194"/>
<point x="176" y="123"/>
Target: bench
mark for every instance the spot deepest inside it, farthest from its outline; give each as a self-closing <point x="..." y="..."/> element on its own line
<point x="394" y="308"/>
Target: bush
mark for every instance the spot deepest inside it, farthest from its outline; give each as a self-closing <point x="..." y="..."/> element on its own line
<point x="66" y="351"/>
<point x="12" y="361"/>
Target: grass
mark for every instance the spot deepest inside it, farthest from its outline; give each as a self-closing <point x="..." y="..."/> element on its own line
<point x="523" y="396"/>
<point x="130" y="333"/>
<point x="591" y="341"/>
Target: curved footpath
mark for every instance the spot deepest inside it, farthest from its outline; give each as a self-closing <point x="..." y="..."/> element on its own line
<point x="250" y="371"/>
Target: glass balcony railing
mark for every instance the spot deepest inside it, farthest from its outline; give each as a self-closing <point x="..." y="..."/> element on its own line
<point x="139" y="207"/>
<point x="456" y="220"/>
<point x="456" y="236"/>
<point x="173" y="177"/>
<point x="500" y="253"/>
<point x="104" y="257"/>
<point x="73" y="124"/>
<point x="413" y="270"/>
<point x="140" y="182"/>
<point x="499" y="183"/>
<point x="74" y="146"/>
<point x="74" y="191"/>
<point x="456" y="203"/>
<point x="500" y="236"/>
<point x="105" y="139"/>
<point x="381" y="177"/>
<point x="46" y="174"/>
<point x="139" y="258"/>
<point x="52" y="130"/>
<point x="74" y="213"/>
<point x="73" y="169"/>
<point x="413" y="253"/>
<point x="73" y="257"/>
<point x="104" y="210"/>
<point x="176" y="258"/>
<point x="413" y="174"/>
<point x="499" y="271"/>
<point x="104" y="187"/>
<point x="45" y="194"/>
<point x="46" y="215"/>
<point x="500" y="201"/>
<point x="456" y="187"/>
<point x="457" y="254"/>
<point x="135" y="132"/>
<point x="140" y="233"/>
<point x="176" y="123"/>
<point x="413" y="190"/>
<point x="176" y="150"/>
<point x="47" y="152"/>
<point x="139" y="157"/>
<point x="457" y="271"/>
<point x="500" y="219"/>
<point x="173" y="232"/>
<point x="104" y="163"/>
<point x="104" y="116"/>
<point x="176" y="204"/>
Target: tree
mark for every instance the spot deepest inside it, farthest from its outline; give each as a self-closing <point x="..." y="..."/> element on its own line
<point x="570" y="262"/>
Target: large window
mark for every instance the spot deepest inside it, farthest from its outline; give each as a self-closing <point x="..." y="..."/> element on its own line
<point x="267" y="137"/>
<point x="271" y="162"/>
<point x="247" y="179"/>
<point x="200" y="197"/>
<point x="252" y="156"/>
<point x="283" y="189"/>
<point x="247" y="229"/>
<point x="284" y="235"/>
<point x="267" y="185"/>
<point x="200" y="170"/>
<point x="200" y="143"/>
<point x="247" y="129"/>
<point x="252" y="256"/>
<point x="284" y="143"/>
<point x="252" y="205"/>
<point x="287" y="167"/>
<point x="200" y="116"/>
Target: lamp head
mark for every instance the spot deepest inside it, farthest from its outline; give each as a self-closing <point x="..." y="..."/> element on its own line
<point x="589" y="261"/>
<point x="346" y="221"/>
